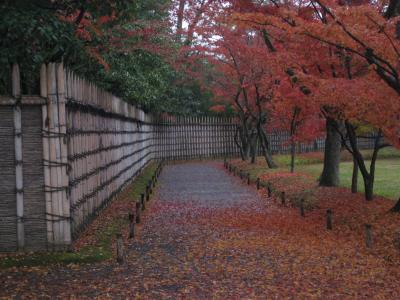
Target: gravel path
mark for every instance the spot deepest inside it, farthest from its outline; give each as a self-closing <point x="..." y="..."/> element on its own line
<point x="184" y="247"/>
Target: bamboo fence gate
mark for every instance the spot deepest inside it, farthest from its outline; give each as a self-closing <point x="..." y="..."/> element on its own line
<point x="65" y="153"/>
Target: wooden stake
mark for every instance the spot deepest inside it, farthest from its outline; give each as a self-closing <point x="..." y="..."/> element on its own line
<point x="138" y="209"/>
<point x="258" y="183"/>
<point x="142" y="202"/>
<point x="131" y="217"/>
<point x="120" y="249"/>
<point x="248" y="179"/>
<point x="283" y="198"/>
<point x="302" y="213"/>
<point x="150" y="185"/>
<point x="368" y="235"/>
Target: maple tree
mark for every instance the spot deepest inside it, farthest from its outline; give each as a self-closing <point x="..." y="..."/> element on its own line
<point x="332" y="76"/>
<point x="126" y="47"/>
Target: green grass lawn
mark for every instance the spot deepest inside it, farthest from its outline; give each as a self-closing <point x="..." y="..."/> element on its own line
<point x="387" y="178"/>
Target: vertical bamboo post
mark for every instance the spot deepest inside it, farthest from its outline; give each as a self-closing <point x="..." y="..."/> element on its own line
<point x="52" y="122"/>
<point x="46" y="157"/>
<point x="61" y="94"/>
<point x="19" y="183"/>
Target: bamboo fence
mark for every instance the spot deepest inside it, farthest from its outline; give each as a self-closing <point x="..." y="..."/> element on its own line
<point x="66" y="153"/>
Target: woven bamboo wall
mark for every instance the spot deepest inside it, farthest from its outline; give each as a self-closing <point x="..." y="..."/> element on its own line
<point x="35" y="230"/>
<point x="195" y="137"/>
<point x="8" y="218"/>
<point x="33" y="216"/>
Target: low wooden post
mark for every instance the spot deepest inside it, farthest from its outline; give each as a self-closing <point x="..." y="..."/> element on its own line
<point x="147" y="193"/>
<point x="131" y="217"/>
<point x="329" y="215"/>
<point x="368" y="235"/>
<point x="302" y="213"/>
<point x="269" y="190"/>
<point x="138" y="209"/>
<point x="283" y="198"/>
<point x="150" y="185"/>
<point x="120" y="249"/>
<point x="142" y="202"/>
<point x="397" y="240"/>
<point x="248" y="179"/>
<point x="258" y="183"/>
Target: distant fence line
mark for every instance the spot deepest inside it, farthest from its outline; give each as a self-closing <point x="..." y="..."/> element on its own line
<point x="67" y="152"/>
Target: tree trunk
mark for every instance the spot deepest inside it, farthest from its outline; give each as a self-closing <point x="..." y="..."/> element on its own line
<point x="354" y="178"/>
<point x="254" y="144"/>
<point x="265" y="148"/>
<point x="292" y="156"/>
<point x="245" y="141"/>
<point x="396" y="208"/>
<point x="330" y="173"/>
<point x="369" y="188"/>
<point x="179" y="24"/>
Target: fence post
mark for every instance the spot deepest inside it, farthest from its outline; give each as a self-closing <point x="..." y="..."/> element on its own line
<point x="46" y="156"/>
<point x="62" y="122"/>
<point x="19" y="182"/>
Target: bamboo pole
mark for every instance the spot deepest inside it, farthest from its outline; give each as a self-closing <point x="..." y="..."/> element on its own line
<point x="61" y="93"/>
<point x="46" y="157"/>
<point x="54" y="150"/>
<point x="19" y="183"/>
